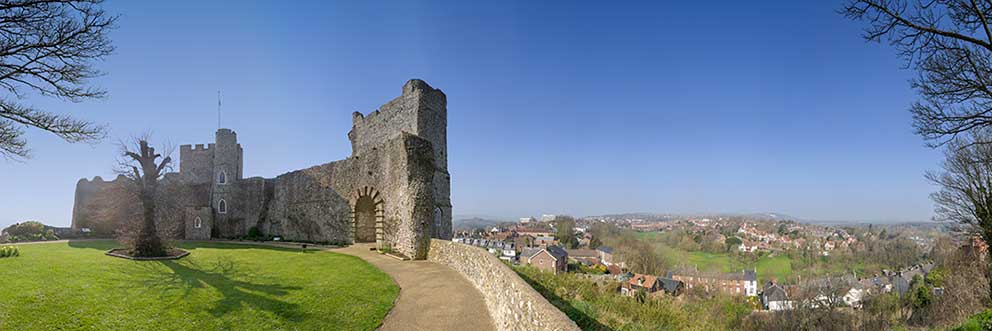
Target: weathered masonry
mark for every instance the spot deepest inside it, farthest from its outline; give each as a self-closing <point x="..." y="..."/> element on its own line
<point x="394" y="189"/>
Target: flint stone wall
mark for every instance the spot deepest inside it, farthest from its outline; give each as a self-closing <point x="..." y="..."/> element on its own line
<point x="316" y="204"/>
<point x="512" y="303"/>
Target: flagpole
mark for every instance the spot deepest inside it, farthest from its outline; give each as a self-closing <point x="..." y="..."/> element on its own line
<point x="218" y="109"/>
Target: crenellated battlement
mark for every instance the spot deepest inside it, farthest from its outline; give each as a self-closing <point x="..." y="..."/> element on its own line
<point x="195" y="148"/>
<point x="100" y="180"/>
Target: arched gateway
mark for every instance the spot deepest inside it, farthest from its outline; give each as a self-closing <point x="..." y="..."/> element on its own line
<point x="368" y="214"/>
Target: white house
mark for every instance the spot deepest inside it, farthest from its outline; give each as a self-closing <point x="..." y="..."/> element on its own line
<point x="854" y="296"/>
<point x="774" y="298"/>
<point x="751" y="283"/>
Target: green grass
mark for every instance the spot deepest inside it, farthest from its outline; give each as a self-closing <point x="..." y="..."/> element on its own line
<point x="646" y="235"/>
<point x="777" y="266"/>
<point x="74" y="286"/>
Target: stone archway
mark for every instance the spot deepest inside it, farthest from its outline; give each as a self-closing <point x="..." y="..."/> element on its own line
<point x="367" y="216"/>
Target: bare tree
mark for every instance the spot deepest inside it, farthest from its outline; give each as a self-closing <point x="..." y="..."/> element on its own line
<point x="965" y="194"/>
<point x="964" y="290"/>
<point x="949" y="43"/>
<point x="46" y="47"/>
<point x="140" y="164"/>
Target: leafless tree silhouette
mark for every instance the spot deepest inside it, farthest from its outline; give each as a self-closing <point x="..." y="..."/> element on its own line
<point x="47" y="48"/>
<point x="965" y="184"/>
<point x="140" y="164"/>
<point x="949" y="44"/>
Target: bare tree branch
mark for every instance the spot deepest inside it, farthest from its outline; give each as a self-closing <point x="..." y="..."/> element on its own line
<point x="949" y="44"/>
<point x="47" y="47"/>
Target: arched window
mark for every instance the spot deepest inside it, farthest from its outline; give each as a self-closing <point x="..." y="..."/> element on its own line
<point x="198" y="223"/>
<point x="222" y="177"/>
<point x="222" y="206"/>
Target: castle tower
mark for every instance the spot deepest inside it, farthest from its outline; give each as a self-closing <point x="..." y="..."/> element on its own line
<point x="422" y="111"/>
<point x="227" y="171"/>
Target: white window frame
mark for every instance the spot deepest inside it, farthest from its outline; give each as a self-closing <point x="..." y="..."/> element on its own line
<point x="222" y="206"/>
<point x="198" y="223"/>
<point x="222" y="178"/>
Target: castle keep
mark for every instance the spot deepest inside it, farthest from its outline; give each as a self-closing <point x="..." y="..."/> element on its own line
<point x="394" y="189"/>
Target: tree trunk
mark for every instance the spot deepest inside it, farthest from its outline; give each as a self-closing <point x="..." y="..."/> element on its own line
<point x="148" y="242"/>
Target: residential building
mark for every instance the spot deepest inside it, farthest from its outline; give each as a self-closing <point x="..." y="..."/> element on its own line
<point x="735" y="284"/>
<point x="606" y="255"/>
<point x="775" y="298"/>
<point x="552" y="258"/>
<point x="544" y="241"/>
<point x="750" y="283"/>
<point x="640" y="282"/>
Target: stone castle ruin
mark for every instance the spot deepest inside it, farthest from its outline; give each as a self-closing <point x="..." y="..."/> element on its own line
<point x="394" y="189"/>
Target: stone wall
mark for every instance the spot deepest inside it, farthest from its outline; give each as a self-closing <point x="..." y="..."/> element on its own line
<point x="206" y="216"/>
<point x="316" y="204"/>
<point x="86" y="209"/>
<point x="512" y="303"/>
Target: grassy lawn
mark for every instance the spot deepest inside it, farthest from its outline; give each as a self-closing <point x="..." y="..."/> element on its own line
<point x="778" y="266"/>
<point x="73" y="286"/>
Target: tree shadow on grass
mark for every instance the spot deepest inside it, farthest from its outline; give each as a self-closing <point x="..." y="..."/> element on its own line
<point x="584" y="321"/>
<point x="189" y="245"/>
<point x="100" y="244"/>
<point x="225" y="277"/>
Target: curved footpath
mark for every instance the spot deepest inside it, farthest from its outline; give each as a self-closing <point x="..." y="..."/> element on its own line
<point x="432" y="296"/>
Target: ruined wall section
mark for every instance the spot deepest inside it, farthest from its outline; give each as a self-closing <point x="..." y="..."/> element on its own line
<point x="432" y="124"/>
<point x="317" y="204"/>
<point x="413" y="190"/>
<point x="250" y="204"/>
<point x="305" y="207"/>
<point x="86" y="208"/>
<point x="374" y="129"/>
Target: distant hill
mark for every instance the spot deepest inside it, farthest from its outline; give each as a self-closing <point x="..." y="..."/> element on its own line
<point x="643" y="216"/>
<point x="473" y="223"/>
<point x="765" y="216"/>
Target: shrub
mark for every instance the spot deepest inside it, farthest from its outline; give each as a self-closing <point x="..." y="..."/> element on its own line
<point x="9" y="251"/>
<point x="29" y="231"/>
<point x="978" y="322"/>
<point x="596" y="306"/>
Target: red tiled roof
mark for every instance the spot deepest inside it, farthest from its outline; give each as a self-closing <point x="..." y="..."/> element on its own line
<point x="648" y="280"/>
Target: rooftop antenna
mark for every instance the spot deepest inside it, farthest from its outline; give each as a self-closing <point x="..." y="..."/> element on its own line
<point x="218" y="109"/>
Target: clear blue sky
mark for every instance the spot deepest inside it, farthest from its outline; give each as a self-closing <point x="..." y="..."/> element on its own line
<point x="565" y="107"/>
